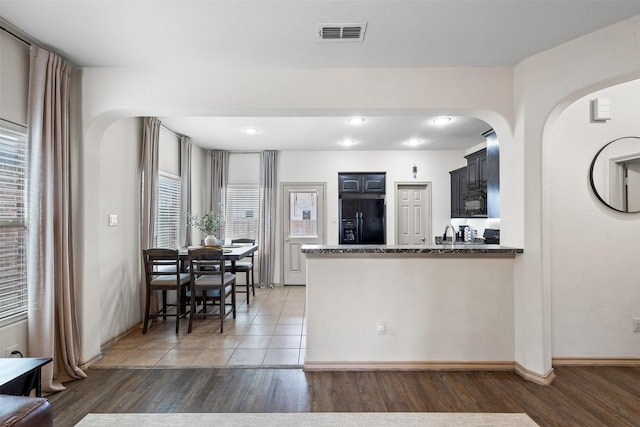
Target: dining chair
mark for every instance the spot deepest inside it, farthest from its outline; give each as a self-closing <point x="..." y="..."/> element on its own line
<point x="210" y="278"/>
<point x="245" y="266"/>
<point x="162" y="273"/>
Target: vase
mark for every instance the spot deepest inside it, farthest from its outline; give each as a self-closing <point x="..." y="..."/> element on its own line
<point x="210" y="240"/>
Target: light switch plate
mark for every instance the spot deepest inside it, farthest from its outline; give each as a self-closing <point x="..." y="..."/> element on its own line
<point x="113" y="220"/>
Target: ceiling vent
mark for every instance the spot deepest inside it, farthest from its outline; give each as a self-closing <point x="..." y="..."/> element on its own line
<point x="341" y="32"/>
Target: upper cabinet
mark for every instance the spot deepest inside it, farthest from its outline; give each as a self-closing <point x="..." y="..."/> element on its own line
<point x="475" y="189"/>
<point x="477" y="170"/>
<point x="458" y="189"/>
<point x="354" y="182"/>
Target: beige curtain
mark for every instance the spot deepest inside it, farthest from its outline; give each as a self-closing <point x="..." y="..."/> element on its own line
<point x="149" y="181"/>
<point x="267" y="226"/>
<point x="148" y="197"/>
<point x="185" y="189"/>
<point x="52" y="322"/>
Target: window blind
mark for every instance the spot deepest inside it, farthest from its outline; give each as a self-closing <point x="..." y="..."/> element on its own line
<point x="168" y="213"/>
<point x="242" y="205"/>
<point x="13" y="230"/>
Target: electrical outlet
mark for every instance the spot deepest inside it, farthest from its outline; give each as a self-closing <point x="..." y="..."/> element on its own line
<point x="636" y="325"/>
<point x="11" y="349"/>
<point x="381" y="328"/>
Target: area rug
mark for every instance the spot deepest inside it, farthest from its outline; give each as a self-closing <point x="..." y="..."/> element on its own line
<point x="311" y="419"/>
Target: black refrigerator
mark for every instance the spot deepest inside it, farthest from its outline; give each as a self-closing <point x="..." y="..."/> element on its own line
<point x="362" y="221"/>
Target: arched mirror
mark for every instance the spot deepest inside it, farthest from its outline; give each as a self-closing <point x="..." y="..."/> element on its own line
<point x="615" y="174"/>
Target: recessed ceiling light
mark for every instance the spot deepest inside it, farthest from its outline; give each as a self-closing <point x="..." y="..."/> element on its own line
<point x="356" y="121"/>
<point x="414" y="141"/>
<point x="251" y="131"/>
<point x="441" y="120"/>
<point x="347" y="142"/>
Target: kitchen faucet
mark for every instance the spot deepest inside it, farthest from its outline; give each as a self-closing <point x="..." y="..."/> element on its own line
<point x="453" y="234"/>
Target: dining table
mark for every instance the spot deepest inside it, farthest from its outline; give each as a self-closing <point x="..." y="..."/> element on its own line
<point x="232" y="253"/>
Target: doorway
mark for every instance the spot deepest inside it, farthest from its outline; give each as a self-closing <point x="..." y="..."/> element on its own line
<point x="413" y="213"/>
<point x="631" y="185"/>
<point x="303" y="224"/>
<point x="624" y="183"/>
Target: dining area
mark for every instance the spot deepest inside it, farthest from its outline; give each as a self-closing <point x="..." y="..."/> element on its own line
<point x="197" y="282"/>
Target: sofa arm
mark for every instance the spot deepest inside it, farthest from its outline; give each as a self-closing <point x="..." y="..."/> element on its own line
<point x="19" y="411"/>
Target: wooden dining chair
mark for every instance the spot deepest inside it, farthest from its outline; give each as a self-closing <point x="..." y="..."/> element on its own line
<point x="162" y="273"/>
<point x="246" y="266"/>
<point x="210" y="282"/>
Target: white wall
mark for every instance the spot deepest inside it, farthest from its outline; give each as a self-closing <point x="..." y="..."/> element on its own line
<point x="595" y="273"/>
<point x="544" y="85"/>
<point x="169" y="152"/>
<point x="244" y="168"/>
<point x="118" y="248"/>
<point x="14" y="334"/>
<point x="14" y="79"/>
<point x="436" y="309"/>
<point x="323" y="166"/>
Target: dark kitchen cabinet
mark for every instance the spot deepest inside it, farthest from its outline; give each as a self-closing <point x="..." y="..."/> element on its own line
<point x="458" y="189"/>
<point x="475" y="189"/>
<point x="361" y="183"/>
<point x="477" y="170"/>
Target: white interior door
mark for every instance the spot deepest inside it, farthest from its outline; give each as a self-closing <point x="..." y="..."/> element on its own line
<point x="304" y="223"/>
<point x="413" y="214"/>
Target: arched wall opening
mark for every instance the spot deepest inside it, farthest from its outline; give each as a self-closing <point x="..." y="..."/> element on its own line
<point x="591" y="250"/>
<point x="110" y="185"/>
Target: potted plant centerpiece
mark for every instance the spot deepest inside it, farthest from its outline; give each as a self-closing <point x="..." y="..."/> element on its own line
<point x="209" y="223"/>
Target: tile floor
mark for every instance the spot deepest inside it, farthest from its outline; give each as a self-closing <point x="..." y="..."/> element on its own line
<point x="271" y="332"/>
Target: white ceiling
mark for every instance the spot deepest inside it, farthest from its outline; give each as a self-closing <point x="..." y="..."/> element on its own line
<point x="283" y="34"/>
<point x="326" y="133"/>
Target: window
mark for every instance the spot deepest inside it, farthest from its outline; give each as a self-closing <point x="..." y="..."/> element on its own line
<point x="168" y="214"/>
<point x="303" y="215"/>
<point x="13" y="225"/>
<point x="242" y="206"/>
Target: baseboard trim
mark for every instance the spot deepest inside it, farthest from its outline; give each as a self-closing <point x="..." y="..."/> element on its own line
<point x="574" y="361"/>
<point x="409" y="366"/>
<point x="117" y="338"/>
<point x="88" y="363"/>
<point x="528" y="375"/>
<point x="103" y="347"/>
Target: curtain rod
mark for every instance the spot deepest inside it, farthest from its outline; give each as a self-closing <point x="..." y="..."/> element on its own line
<point x="12" y="33"/>
<point x="25" y="38"/>
<point x="179" y="135"/>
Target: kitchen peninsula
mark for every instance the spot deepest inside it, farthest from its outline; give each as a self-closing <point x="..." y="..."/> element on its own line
<point x="410" y="307"/>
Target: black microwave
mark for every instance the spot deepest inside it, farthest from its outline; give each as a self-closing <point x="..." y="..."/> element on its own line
<point x="475" y="203"/>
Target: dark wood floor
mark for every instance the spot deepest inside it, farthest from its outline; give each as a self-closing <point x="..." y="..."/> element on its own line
<point x="580" y="396"/>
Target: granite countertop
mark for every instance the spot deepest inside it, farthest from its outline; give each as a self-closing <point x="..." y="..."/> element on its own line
<point x="411" y="249"/>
